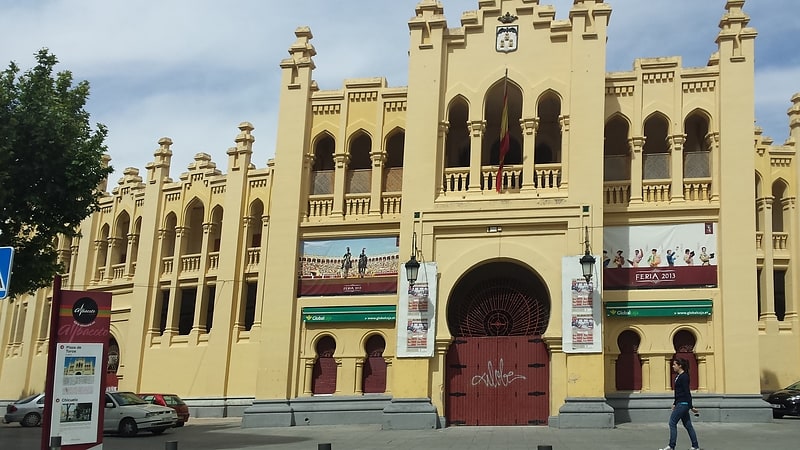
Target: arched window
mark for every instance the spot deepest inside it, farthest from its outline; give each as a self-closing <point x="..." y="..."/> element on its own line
<point x="359" y="173"/>
<point x="684" y="342"/>
<point x="457" y="142"/>
<point x="696" y="151"/>
<point x="393" y="174"/>
<point x="616" y="161"/>
<point x="548" y="134"/>
<point x="655" y="150"/>
<point x="322" y="170"/>
<point x="374" y="376"/>
<point x="493" y="113"/>
<point x="629" y="365"/>
<point x="323" y="379"/>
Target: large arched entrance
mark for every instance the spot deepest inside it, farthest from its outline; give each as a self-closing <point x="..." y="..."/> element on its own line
<point x="498" y="364"/>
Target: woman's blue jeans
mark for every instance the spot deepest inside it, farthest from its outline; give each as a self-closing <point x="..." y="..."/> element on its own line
<point x="681" y="412"/>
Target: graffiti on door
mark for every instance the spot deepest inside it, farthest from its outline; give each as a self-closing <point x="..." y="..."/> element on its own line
<point x="495" y="378"/>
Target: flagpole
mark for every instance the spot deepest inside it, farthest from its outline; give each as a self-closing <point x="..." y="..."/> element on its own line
<point x="504" y="137"/>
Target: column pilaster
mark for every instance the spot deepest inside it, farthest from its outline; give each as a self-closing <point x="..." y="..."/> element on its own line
<point x="477" y="130"/>
<point x="676" y="165"/>
<point x="636" y="145"/>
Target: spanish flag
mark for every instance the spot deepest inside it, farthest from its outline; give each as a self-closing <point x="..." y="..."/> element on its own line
<point x="504" y="139"/>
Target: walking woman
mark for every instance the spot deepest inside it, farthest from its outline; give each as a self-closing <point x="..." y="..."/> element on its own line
<point x="682" y="405"/>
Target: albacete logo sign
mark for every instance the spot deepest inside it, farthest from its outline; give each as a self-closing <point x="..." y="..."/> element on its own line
<point x="84" y="311"/>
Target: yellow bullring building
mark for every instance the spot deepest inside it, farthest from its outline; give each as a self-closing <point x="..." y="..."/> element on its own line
<point x="284" y="293"/>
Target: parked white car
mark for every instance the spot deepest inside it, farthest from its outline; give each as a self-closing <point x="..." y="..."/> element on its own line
<point x="27" y="411"/>
<point x="127" y="414"/>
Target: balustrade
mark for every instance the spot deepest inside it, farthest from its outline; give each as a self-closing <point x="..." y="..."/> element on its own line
<point x="320" y="205"/>
<point x="190" y="263"/>
<point x="780" y="241"/>
<point x="617" y="193"/>
<point x="456" y="179"/>
<point x="697" y="189"/>
<point x="656" y="191"/>
<point x="392" y="203"/>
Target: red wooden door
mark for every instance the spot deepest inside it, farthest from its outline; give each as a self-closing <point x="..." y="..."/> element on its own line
<point x="497" y="381"/>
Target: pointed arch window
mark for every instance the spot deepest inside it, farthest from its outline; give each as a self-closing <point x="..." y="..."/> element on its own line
<point x="395" y="152"/>
<point x="656" y="151"/>
<point x="457" y="142"/>
<point x="696" y="149"/>
<point x="359" y="170"/>
<point x="616" y="153"/>
<point x="547" y="149"/>
<point x="322" y="170"/>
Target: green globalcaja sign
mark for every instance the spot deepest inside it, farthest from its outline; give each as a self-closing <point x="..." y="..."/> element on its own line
<point x="349" y="313"/>
<point x="659" y="308"/>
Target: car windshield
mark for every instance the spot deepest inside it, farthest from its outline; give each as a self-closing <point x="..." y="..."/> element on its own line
<point x="127" y="398"/>
<point x="795" y="387"/>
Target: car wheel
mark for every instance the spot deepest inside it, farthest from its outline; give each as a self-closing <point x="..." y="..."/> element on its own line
<point x="179" y="424"/>
<point x="31" y="420"/>
<point x="777" y="414"/>
<point x="128" y="427"/>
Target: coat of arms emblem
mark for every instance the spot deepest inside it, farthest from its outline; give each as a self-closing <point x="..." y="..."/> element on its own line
<point x="507" y="35"/>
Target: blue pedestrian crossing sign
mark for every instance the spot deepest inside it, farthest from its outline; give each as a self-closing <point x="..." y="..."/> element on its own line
<point x="6" y="258"/>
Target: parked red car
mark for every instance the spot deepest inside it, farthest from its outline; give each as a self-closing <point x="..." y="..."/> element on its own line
<point x="171" y="401"/>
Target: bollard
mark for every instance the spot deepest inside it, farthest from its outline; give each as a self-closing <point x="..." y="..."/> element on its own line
<point x="55" y="442"/>
<point x="171" y="445"/>
<point x="544" y="447"/>
<point x="323" y="446"/>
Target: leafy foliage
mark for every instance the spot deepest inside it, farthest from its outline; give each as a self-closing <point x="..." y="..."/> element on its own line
<point x="51" y="164"/>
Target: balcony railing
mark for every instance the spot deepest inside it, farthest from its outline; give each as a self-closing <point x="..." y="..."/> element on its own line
<point x="617" y="193"/>
<point x="656" y="191"/>
<point x="356" y="204"/>
<point x="253" y="258"/>
<point x="512" y="178"/>
<point x="190" y="263"/>
<point x="213" y="261"/>
<point x="697" y="189"/>
<point x="392" y="203"/>
<point x="320" y="205"/>
<point x="780" y="241"/>
<point x="456" y="179"/>
<point x="547" y="176"/>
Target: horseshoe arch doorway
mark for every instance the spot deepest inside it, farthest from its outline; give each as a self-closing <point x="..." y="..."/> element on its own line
<point x="497" y="367"/>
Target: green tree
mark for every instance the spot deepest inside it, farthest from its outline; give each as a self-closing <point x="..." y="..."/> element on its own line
<point x="51" y="164"/>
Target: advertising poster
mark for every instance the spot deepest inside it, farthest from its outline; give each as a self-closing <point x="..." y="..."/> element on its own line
<point x="660" y="256"/>
<point x="82" y="334"/>
<point x="349" y="266"/>
<point x="416" y="313"/>
<point x="581" y="307"/>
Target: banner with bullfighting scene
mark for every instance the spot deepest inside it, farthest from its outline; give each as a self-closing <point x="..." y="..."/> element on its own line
<point x="660" y="256"/>
<point x="349" y="266"/>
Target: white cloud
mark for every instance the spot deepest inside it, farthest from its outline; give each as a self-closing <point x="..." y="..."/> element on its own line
<point x="194" y="69"/>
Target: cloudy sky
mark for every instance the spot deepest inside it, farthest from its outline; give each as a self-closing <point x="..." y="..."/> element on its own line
<point x="194" y="69"/>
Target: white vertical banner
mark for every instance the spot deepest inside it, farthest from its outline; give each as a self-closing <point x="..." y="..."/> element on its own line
<point x="76" y="392"/>
<point x="581" y="307"/>
<point x="416" y="313"/>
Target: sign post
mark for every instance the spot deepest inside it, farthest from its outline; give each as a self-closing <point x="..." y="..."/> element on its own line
<point x="6" y="259"/>
<point x="76" y="363"/>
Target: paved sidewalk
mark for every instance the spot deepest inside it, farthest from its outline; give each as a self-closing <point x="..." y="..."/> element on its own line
<point x="781" y="434"/>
